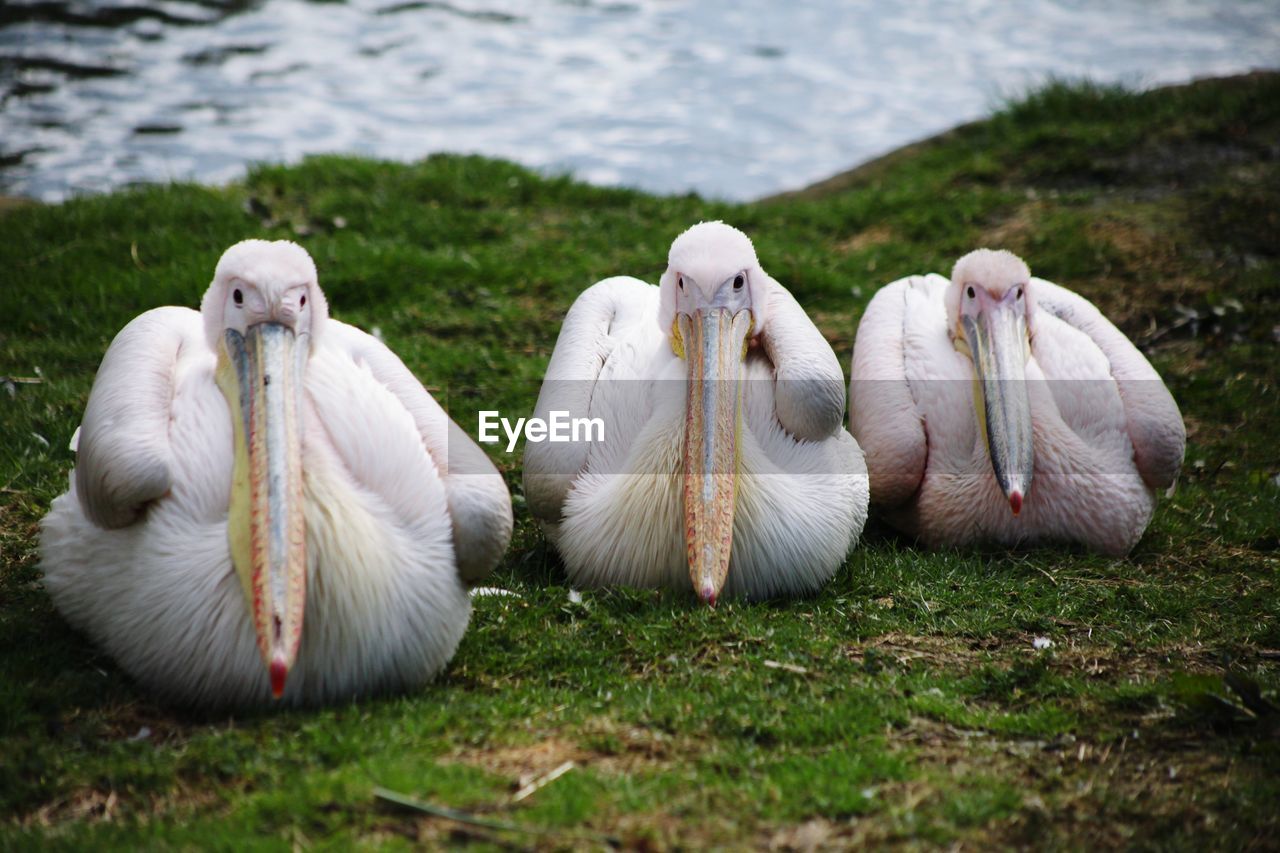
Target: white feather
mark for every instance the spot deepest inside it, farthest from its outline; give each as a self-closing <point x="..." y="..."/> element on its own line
<point x="912" y="408"/>
<point x="614" y="508"/>
<point x="385" y="605"/>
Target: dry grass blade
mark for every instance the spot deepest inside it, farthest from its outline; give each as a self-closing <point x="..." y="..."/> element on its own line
<point x="788" y="667"/>
<point x="1051" y="578"/>
<point x="406" y="802"/>
<point x="413" y="804"/>
<point x="542" y="781"/>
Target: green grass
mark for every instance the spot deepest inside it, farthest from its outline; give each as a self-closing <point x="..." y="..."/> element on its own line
<point x="904" y="703"/>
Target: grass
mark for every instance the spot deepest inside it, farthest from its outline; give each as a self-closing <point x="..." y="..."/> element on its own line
<point x="905" y="703"/>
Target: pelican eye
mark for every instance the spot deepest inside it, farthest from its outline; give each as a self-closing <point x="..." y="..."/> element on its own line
<point x="680" y="282"/>
<point x="303" y="303"/>
<point x="1019" y="296"/>
<point x="237" y="296"/>
<point x="970" y="292"/>
<point x="738" y="281"/>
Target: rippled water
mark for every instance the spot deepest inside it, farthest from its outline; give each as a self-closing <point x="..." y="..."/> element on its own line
<point x="731" y="99"/>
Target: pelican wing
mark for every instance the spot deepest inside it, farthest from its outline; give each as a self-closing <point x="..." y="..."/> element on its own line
<point x="123" y="457"/>
<point x="479" y="503"/>
<point x="586" y="341"/>
<point x="810" y="383"/>
<point x="1155" y="425"/>
<point x="883" y="415"/>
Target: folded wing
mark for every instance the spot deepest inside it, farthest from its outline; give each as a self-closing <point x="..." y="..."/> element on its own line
<point x="123" y="457"/>
<point x="809" y="381"/>
<point x="1155" y="425"/>
<point x="585" y="343"/>
<point x="883" y="416"/>
<point x="479" y="503"/>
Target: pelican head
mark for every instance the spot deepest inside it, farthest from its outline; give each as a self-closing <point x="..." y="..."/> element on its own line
<point x="712" y="301"/>
<point x="262" y="314"/>
<point x="989" y="304"/>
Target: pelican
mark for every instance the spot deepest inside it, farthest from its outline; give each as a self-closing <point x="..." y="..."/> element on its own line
<point x="266" y="503"/>
<point x="722" y="459"/>
<point x="997" y="407"/>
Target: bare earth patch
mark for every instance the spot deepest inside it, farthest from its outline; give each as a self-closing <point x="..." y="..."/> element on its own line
<point x="95" y="805"/>
<point x="602" y="745"/>
<point x="876" y="235"/>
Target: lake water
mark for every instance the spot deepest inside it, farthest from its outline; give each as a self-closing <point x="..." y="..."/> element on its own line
<point x="730" y="99"/>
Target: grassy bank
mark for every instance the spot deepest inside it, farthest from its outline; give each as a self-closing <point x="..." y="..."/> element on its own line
<point x="904" y="703"/>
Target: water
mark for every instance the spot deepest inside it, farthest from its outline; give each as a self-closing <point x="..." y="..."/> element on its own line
<point x="730" y="99"/>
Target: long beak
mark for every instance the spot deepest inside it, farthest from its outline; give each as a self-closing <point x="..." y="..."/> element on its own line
<point x="999" y="345"/>
<point x="261" y="378"/>
<point x="715" y="345"/>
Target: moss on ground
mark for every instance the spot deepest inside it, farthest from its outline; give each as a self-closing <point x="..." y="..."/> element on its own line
<point x="905" y="703"/>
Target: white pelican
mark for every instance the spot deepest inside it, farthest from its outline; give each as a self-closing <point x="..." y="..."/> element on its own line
<point x="723" y="459"/>
<point x="259" y="484"/>
<point x="965" y="439"/>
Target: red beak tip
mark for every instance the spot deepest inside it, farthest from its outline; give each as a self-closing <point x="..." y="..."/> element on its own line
<point x="709" y="595"/>
<point x="279" y="672"/>
<point x="1015" y="501"/>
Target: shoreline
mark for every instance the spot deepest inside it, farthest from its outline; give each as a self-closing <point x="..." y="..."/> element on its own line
<point x="838" y="182"/>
